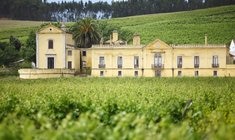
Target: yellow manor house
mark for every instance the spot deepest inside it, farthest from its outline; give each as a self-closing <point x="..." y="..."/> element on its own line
<point x="57" y="56"/>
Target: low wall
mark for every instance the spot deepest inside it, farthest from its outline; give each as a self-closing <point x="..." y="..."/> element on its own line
<point x="45" y="73"/>
<point x="230" y="70"/>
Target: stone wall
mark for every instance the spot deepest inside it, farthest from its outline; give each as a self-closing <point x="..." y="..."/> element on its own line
<point x="45" y="73"/>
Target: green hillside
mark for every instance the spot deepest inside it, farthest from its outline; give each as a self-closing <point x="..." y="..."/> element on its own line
<point x="184" y="27"/>
<point x="187" y="27"/>
<point x="17" y="28"/>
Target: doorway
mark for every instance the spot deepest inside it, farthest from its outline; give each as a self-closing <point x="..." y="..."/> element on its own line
<point x="157" y="73"/>
<point x="50" y="62"/>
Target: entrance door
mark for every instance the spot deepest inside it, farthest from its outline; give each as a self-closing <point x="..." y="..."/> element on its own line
<point x="69" y="64"/>
<point x="50" y="62"/>
<point x="158" y="73"/>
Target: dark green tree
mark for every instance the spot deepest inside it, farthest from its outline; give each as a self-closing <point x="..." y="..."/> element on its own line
<point x="8" y="54"/>
<point x="29" y="51"/>
<point x="85" y="33"/>
<point x="15" y="42"/>
<point x="106" y="30"/>
<point x="74" y="10"/>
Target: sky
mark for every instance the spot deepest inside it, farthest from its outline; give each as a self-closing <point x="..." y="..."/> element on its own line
<point x="109" y="1"/>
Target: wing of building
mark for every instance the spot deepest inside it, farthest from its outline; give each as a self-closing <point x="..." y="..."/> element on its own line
<point x="57" y="56"/>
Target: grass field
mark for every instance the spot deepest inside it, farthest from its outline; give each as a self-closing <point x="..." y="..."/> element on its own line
<point x="174" y="28"/>
<point x="20" y="29"/>
<point x="184" y="27"/>
<point x="117" y="108"/>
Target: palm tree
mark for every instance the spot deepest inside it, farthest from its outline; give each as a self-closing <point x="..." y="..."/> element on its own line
<point x="85" y="33"/>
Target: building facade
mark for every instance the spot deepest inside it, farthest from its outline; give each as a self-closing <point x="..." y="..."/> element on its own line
<point x="159" y="59"/>
<point x="55" y="49"/>
<point x="57" y="56"/>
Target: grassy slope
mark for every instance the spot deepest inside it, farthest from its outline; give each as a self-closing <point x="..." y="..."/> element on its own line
<point x="16" y="28"/>
<point x="184" y="27"/>
<point x="178" y="28"/>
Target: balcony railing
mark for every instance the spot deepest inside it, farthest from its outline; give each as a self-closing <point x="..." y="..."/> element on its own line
<point x="157" y="66"/>
<point x="179" y="66"/>
<point x="215" y="65"/>
<point x="101" y="65"/>
<point x="136" y="66"/>
<point x="196" y="65"/>
<point x="119" y="66"/>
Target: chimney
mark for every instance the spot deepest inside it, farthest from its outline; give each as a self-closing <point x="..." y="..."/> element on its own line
<point x="115" y="36"/>
<point x="63" y="27"/>
<point x="136" y="40"/>
<point x="206" y="43"/>
<point x="110" y="38"/>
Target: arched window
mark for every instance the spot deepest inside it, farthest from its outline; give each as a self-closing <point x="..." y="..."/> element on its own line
<point x="158" y="60"/>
